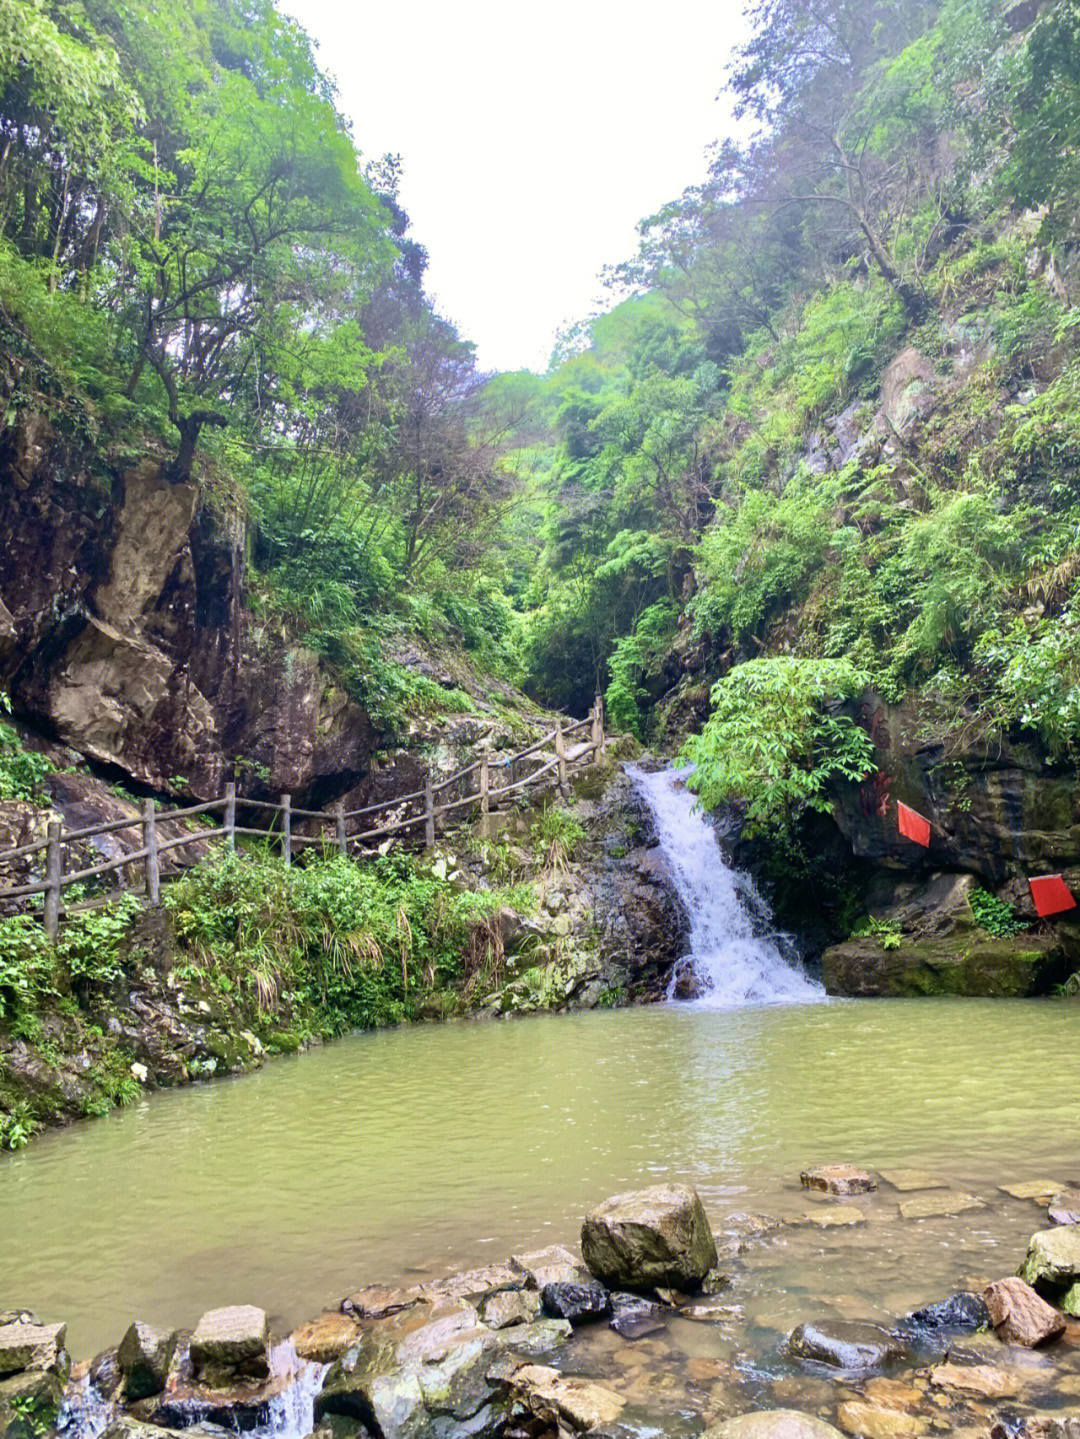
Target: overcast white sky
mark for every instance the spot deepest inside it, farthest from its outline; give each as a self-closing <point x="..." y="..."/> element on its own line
<point x="534" y="134"/>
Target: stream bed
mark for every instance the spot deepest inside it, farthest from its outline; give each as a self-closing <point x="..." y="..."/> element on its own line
<point x="407" y="1154"/>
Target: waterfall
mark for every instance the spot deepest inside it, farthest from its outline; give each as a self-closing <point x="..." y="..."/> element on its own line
<point x="734" y="950"/>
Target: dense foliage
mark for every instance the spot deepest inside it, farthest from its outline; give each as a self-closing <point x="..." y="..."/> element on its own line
<point x="195" y="260"/>
<point x="834" y="417"/>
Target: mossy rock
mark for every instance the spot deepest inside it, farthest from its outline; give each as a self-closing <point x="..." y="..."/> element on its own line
<point x="972" y="964"/>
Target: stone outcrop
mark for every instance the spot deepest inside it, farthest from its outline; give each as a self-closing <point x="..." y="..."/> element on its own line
<point x="650" y="1239"/>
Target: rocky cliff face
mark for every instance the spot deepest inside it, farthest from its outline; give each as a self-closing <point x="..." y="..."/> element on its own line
<point x="998" y="815"/>
<point x="124" y="631"/>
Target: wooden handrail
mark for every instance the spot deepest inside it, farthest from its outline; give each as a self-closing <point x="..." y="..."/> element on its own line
<point x="332" y="822"/>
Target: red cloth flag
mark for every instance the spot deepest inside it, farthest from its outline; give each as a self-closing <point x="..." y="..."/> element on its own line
<point x="912" y="825"/>
<point x="1051" y="895"/>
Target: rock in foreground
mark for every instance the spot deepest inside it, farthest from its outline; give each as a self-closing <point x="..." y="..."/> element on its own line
<point x="650" y="1239"/>
<point x="773" y="1424"/>
<point x="144" y="1356"/>
<point x="1019" y="1316"/>
<point x="231" y="1341"/>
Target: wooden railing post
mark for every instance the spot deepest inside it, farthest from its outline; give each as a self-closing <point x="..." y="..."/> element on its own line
<point x="485" y="785"/>
<point x="286" y="828"/>
<point x="150" y="844"/>
<point x="560" y="753"/>
<point x="230" y="815"/>
<point x="429" y="813"/>
<point x="54" y="868"/>
<point x="598" y="729"/>
<point x="339" y="818"/>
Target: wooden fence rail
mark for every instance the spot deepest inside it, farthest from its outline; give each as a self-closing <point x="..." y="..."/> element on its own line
<point x="433" y="812"/>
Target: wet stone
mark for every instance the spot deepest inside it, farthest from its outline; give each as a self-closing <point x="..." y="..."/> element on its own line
<point x="962" y="1312"/>
<point x="986" y="1380"/>
<point x="1042" y="1190"/>
<point x="579" y="1303"/>
<point x="378" y="1302"/>
<point x="773" y="1424"/>
<point x="38" y="1347"/>
<point x="510" y="1307"/>
<point x="29" y="1404"/>
<point x="580" y="1403"/>
<point x="932" y="1206"/>
<point x="853" y="1347"/>
<point x="1019" y="1316"/>
<point x="907" y="1180"/>
<point x="1070" y="1301"/>
<point x="1065" y="1207"/>
<point x="144" y="1355"/>
<point x="105" y="1373"/>
<point x="838" y="1179"/>
<point x="1053" y="1258"/>
<point x="871" y="1421"/>
<point x="650" y="1238"/>
<point x="834" y="1216"/>
<point x="553" y="1265"/>
<point x="232" y="1340"/>
<point x="322" y="1339"/>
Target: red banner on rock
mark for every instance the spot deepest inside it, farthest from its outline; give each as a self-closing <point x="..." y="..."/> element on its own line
<point x="1051" y="895"/>
<point x="912" y="825"/>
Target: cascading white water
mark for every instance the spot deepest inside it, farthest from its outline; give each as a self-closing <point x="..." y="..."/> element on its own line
<point x="734" y="951"/>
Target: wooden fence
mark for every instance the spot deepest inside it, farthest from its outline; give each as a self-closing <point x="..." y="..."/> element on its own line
<point x="434" y="807"/>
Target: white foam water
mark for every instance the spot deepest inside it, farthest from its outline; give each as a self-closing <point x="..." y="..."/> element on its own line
<point x="735" y="951"/>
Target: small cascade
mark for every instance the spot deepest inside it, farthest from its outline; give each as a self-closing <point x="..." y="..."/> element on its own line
<point x="735" y="952"/>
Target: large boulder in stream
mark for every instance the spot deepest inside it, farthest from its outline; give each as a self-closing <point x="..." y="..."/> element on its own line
<point x="650" y="1239"/>
<point x="1053" y="1259"/>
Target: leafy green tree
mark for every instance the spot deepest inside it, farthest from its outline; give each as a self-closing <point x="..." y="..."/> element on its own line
<point x="776" y="739"/>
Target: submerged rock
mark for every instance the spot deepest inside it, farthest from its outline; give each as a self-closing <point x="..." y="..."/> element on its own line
<point x="231" y="1341"/>
<point x="872" y="1421"/>
<point x="1019" y="1316"/>
<point x="838" y="1179"/>
<point x="832" y="1216"/>
<point x="933" y="1206"/>
<point x="649" y="1239"/>
<point x="773" y="1424"/>
<point x="843" y="1345"/>
<point x="1053" y="1258"/>
<point x="144" y="1357"/>
<point x="579" y="1303"/>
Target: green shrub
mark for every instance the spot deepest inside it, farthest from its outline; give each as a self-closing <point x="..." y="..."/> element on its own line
<point x="775" y="739"/>
<point x="994" y="915"/>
